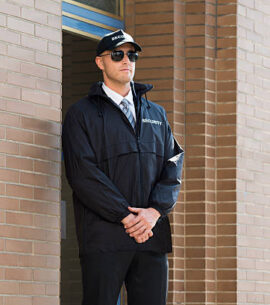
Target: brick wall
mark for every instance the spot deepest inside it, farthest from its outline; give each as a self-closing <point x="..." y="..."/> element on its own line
<point x="189" y="53"/>
<point x="253" y="152"/>
<point x="30" y="116"/>
<point x="209" y="62"/>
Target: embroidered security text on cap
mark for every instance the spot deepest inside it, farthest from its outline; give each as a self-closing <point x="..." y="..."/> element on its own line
<point x="114" y="40"/>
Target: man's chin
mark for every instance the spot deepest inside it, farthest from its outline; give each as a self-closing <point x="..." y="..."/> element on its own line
<point x="126" y="80"/>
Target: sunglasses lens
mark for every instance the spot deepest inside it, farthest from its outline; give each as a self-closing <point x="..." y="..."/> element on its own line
<point x="117" y="55"/>
<point x="133" y="56"/>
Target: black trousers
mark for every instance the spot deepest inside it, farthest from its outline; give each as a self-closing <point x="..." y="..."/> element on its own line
<point x="145" y="275"/>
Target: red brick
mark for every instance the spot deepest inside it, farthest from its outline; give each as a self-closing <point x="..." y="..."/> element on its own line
<point x="18" y="274"/>
<point x="9" y="287"/>
<point x="46" y="275"/>
<point x="9" y="147"/>
<point x="155" y="29"/>
<point x="20" y="107"/>
<point x="45" y="300"/>
<point x="19" y="218"/>
<point x="31" y="260"/>
<point x="32" y="289"/>
<point x="10" y="300"/>
<point x="19" y="135"/>
<point x="154" y="18"/>
<point x="46" y="248"/>
<point x="19" y="191"/>
<point x="9" y="175"/>
<point x="39" y="207"/>
<point x="52" y="289"/>
<point x="154" y="7"/>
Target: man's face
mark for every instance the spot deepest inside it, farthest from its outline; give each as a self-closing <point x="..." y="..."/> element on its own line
<point x="117" y="73"/>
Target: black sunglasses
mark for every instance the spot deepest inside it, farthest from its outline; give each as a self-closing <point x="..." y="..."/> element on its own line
<point x="119" y="55"/>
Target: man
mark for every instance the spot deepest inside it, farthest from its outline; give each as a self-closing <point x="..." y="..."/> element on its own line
<point x="124" y="167"/>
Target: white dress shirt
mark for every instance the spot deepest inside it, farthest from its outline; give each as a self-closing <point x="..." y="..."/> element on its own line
<point x="117" y="98"/>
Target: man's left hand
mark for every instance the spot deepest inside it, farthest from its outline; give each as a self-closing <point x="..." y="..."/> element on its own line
<point x="143" y="223"/>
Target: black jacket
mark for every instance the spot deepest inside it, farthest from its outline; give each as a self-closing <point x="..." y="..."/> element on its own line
<point x="110" y="167"/>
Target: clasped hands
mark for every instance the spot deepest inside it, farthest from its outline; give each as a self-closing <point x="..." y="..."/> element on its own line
<point x="140" y="222"/>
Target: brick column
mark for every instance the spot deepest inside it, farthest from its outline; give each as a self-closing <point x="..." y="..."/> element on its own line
<point x="226" y="96"/>
<point x="200" y="137"/>
<point x="152" y="25"/>
<point x="30" y="127"/>
<point x="177" y="218"/>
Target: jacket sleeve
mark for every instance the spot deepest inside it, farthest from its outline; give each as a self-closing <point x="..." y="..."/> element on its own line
<point x="165" y="192"/>
<point x="94" y="189"/>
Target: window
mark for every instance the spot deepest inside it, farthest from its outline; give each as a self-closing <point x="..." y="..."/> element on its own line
<point x="92" y="18"/>
<point x="110" y="6"/>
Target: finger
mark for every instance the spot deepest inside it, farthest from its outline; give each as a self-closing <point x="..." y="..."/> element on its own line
<point x="140" y="240"/>
<point x="138" y="220"/>
<point x="135" y="210"/>
<point x="138" y="232"/>
<point x="143" y="238"/>
<point x="143" y="230"/>
<point x="127" y="221"/>
<point x="128" y="218"/>
<point x="136" y="227"/>
<point x="132" y="222"/>
<point x="150" y="234"/>
<point x="145" y="235"/>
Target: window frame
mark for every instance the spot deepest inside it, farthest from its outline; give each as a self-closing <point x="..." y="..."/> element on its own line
<point x="88" y="21"/>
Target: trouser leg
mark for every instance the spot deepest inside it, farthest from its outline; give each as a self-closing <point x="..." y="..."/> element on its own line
<point x="103" y="275"/>
<point x="147" y="279"/>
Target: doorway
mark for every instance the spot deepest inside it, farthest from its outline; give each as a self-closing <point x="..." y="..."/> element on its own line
<point x="79" y="72"/>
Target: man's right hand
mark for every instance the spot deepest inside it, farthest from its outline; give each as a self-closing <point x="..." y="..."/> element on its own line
<point x="140" y="238"/>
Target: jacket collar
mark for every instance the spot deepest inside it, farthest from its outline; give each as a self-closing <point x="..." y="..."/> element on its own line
<point x="96" y="89"/>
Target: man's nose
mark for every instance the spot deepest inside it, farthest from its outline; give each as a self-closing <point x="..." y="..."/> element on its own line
<point x="126" y="59"/>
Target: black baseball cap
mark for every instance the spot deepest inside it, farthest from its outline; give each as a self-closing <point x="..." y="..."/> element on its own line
<point x="114" y="40"/>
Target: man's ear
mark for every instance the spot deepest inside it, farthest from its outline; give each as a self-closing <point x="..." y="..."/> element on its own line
<point x="99" y="62"/>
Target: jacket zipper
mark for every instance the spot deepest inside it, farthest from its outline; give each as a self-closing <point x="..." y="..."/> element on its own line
<point x="137" y="135"/>
<point x="138" y="131"/>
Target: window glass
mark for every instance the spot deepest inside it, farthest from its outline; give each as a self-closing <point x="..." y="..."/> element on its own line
<point x="110" y="6"/>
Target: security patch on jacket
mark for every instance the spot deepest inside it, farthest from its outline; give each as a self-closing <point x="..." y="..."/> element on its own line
<point x="152" y="121"/>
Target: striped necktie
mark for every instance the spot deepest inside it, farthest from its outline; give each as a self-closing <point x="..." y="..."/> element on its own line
<point x="124" y="105"/>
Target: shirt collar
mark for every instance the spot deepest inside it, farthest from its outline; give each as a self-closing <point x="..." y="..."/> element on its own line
<point x="116" y="97"/>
